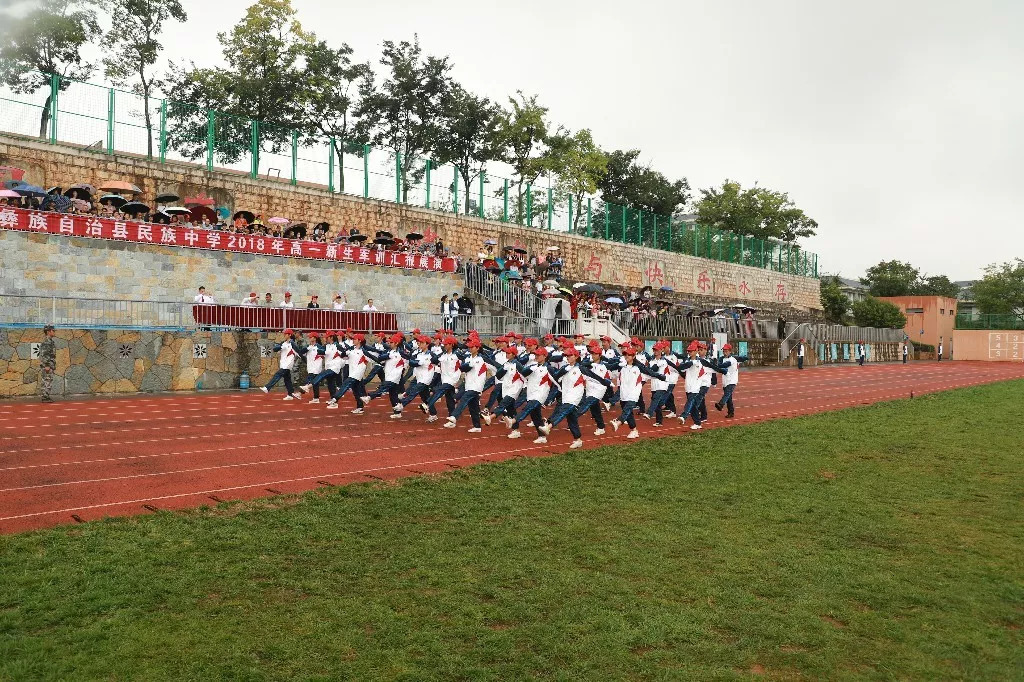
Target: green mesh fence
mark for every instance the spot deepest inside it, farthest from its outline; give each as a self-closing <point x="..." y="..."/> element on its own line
<point x="106" y="119"/>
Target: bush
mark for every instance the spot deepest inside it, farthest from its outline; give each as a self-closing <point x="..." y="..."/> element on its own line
<point x="874" y="313"/>
<point x="922" y="347"/>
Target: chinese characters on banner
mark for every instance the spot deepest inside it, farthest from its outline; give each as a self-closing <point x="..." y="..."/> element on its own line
<point x="1006" y="345"/>
<point x="170" y="235"/>
<point x="654" y="275"/>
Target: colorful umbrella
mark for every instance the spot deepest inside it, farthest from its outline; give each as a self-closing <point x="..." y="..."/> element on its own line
<point x="119" y="186"/>
<point x="279" y="221"/>
<point x="613" y="299"/>
<point x="490" y="242"/>
<point x="200" y="200"/>
<point x="58" y="202"/>
<point x="9" y="194"/>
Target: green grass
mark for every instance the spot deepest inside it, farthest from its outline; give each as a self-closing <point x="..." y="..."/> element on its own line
<point x="883" y="542"/>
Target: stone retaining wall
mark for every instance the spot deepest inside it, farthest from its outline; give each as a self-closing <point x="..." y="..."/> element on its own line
<point x="586" y="259"/>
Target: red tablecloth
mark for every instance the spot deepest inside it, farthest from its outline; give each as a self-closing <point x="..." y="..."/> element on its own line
<point x="299" y="319"/>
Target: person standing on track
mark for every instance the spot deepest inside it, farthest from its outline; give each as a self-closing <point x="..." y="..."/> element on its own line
<point x="906" y="351"/>
<point x="449" y="362"/>
<point x="861" y="352"/>
<point x="693" y="370"/>
<point x="47" y="363"/>
<point x="511" y="381"/>
<point x="800" y="354"/>
<point x="423" y="364"/>
<point x="938" y="355"/>
<point x="729" y="365"/>
<point x="286" y="364"/>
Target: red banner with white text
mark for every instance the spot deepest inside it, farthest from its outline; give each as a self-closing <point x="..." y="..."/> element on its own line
<point x="72" y="225"/>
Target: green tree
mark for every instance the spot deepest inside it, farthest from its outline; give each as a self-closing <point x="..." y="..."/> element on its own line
<point x="632" y="184"/>
<point x="132" y="46"/>
<point x="48" y="39"/>
<point x="523" y="134"/>
<point x="264" y="80"/>
<point x="1001" y="290"/>
<point x="468" y="136"/>
<point x="936" y="285"/>
<point x="579" y="165"/>
<point x="834" y="302"/>
<point x="329" y="96"/>
<point x="874" y="313"/>
<point x="753" y="212"/>
<point x="891" y="278"/>
<point x="404" y="113"/>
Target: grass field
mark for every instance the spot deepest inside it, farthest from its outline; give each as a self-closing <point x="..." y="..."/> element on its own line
<point x="884" y="542"/>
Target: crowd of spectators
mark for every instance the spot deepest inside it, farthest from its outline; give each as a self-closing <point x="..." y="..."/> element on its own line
<point x="339" y="302"/>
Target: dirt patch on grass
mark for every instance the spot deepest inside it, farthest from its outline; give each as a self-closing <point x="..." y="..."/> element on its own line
<point x="827" y="475"/>
<point x="792" y="649"/>
<point x="835" y="622"/>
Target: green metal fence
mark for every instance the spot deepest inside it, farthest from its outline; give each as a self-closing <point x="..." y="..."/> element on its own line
<point x="989" y="322"/>
<point x="106" y="119"/>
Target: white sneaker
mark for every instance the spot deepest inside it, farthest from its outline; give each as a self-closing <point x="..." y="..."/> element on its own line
<point x="514" y="434"/>
<point x="424" y="408"/>
<point x="332" y="406"/>
<point x="656" y="424"/>
<point x="288" y="397"/>
<point x="398" y="408"/>
<point x="475" y="430"/>
<point x="396" y="415"/>
<point x="332" y="401"/>
<point x="616" y="424"/>
<point x="645" y="415"/>
<point x="305" y="388"/>
<point x="450" y="419"/>
<point x="546" y="428"/>
<point x="599" y="432"/>
<point x="576" y="444"/>
<point x="449" y="425"/>
<point x="401" y="396"/>
<point x="365" y="400"/>
<point x="297" y="395"/>
<point x="314" y="401"/>
<point x="488" y="418"/>
<point x="607" y="406"/>
<point x="358" y="410"/>
<point x="695" y="427"/>
<point x="264" y="389"/>
<point x="509" y="421"/>
<point x="670" y="414"/>
<point x="540" y="440"/>
<point x="633" y="434"/>
<point x="431" y="419"/>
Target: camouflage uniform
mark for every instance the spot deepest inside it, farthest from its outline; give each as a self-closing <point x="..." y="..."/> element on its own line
<point x="47" y="366"/>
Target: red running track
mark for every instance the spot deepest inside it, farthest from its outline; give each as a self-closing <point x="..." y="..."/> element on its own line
<point x="80" y="460"/>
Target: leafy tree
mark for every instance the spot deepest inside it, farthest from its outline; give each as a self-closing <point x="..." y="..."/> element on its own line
<point x="834" y="302"/>
<point x="329" y="98"/>
<point x="872" y="312"/>
<point x="132" y="48"/>
<point x="629" y="183"/>
<point x="264" y="80"/>
<point x="579" y="165"/>
<point x="48" y="39"/>
<point x="405" y="113"/>
<point x="754" y="212"/>
<point x="523" y="134"/>
<point x="936" y="285"/>
<point x="1001" y="290"/>
<point x="891" y="278"/>
<point x="469" y="135"/>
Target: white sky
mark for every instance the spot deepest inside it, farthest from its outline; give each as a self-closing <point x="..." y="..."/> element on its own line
<point x="896" y="125"/>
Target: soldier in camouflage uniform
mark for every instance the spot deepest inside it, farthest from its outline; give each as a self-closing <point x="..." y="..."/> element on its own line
<point x="47" y="363"/>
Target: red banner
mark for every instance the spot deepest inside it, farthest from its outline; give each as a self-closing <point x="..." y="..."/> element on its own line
<point x="72" y="225"/>
<point x="256" y="317"/>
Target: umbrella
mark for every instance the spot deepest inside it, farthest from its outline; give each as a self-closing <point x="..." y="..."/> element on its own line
<point x="565" y="291"/>
<point x="118" y="186"/>
<point x="81" y="191"/>
<point x="383" y="240"/>
<point x="413" y="236"/>
<point x="550" y="290"/>
<point x="24" y="189"/>
<point x="490" y="242"/>
<point x="54" y="190"/>
<point x="322" y="227"/>
<point x="518" y="249"/>
<point x="134" y="208"/>
<point x="166" y="198"/>
<point x="115" y="199"/>
<point x="384" y="234"/>
<point x="59" y="202"/>
<point x="513" y="274"/>
<point x="199" y="211"/>
<point x="199" y="201"/>
<point x="9" y="194"/>
<point x="248" y="216"/>
<point x="668" y="289"/>
<point x="592" y="288"/>
<point x="579" y="284"/>
<point x="278" y="221"/>
<point x="296" y="231"/>
<point x="177" y="210"/>
<point x="161" y="218"/>
<point x="613" y="299"/>
<point x="550" y="283"/>
<point x="357" y="238"/>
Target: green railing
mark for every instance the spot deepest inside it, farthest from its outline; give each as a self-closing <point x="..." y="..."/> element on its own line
<point x="989" y="322"/>
<point x="107" y="120"/>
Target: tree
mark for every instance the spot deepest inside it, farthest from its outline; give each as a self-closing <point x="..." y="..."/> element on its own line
<point x="46" y="40"/>
<point x="891" y="278"/>
<point x="264" y="81"/>
<point x="405" y="113"/>
<point x="755" y="212"/>
<point x="1001" y="290"/>
<point x="132" y="48"/>
<point x="329" y="97"/>
<point x="469" y="135"/>
<point x="522" y="136"/>
<point x="872" y="312"/>
<point x="936" y="285"/>
<point x="629" y="183"/>
<point x="834" y="302"/>
<point x="579" y="165"/>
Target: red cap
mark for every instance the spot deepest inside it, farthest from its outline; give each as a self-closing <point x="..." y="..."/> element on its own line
<point x="636" y="340"/>
<point x="422" y="338"/>
<point x="727" y="346"/>
<point x="606" y="338"/>
<point x="541" y="351"/>
<point x="396" y="338"/>
<point x="287" y="293"/>
<point x="450" y="341"/>
<point x="358" y="337"/>
<point x="594" y="347"/>
<point x="473" y="343"/>
<point x="531" y="342"/>
<point x="549" y="337"/>
<point x="629" y="350"/>
<point x="415" y="331"/>
<point x="288" y="332"/>
<point x="693" y="346"/>
<point x="252" y="293"/>
<point x="315" y="335"/>
<point x="571" y="350"/>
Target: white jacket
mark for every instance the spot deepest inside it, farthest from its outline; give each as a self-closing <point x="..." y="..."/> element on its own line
<point x="357" y="364"/>
<point x="314" y="359"/>
<point x="671" y="372"/>
<point x="333" y="359"/>
<point x="732" y="374"/>
<point x="288" y="355"/>
<point x="659" y="365"/>
<point x="394" y="366"/>
<point x="538" y="383"/>
<point x="450" y="372"/>
<point x="693" y="376"/>
<point x="631" y="383"/>
<point x="595" y="389"/>
<point x="573" y="385"/>
<point x="423" y="367"/>
<point x="476" y="375"/>
<point x="512" y="382"/>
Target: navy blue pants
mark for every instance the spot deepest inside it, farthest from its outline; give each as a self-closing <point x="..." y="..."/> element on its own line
<point x="656" y="410"/>
<point x="285" y="374"/>
<point x="422" y="391"/>
<point x="726" y="399"/>
<point x="389" y="387"/>
<point x="530" y="409"/>
<point x="356" y="386"/>
<point x="692" y="410"/>
<point x="567" y="412"/>
<point x="446" y="390"/>
<point x="494" y="398"/>
<point x="628" y="407"/>
<point x="470" y="399"/>
<point x="593" y="405"/>
<point x="702" y="403"/>
<point x="377" y="371"/>
<point x="670" y="402"/>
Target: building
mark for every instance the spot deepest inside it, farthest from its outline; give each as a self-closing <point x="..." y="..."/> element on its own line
<point x="929" y="319"/>
<point x="965" y="300"/>
<point x="853" y="289"/>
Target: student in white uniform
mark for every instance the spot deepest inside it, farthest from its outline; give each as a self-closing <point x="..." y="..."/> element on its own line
<point x="333" y="359"/>
<point x="394" y="366"/>
<point x="729" y="365"/>
<point x="631" y="386"/>
<point x="572" y="378"/>
<point x="315" y="354"/>
<point x="423" y="364"/>
<point x="286" y="363"/>
<point x="538" y="385"/>
<point x="474" y="369"/>
<point x="357" y="363"/>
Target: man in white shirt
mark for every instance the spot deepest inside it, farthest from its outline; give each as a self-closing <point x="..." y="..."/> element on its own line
<point x="203" y="298"/>
<point x="251" y="299"/>
<point x="369" y="307"/>
<point x="287" y="302"/>
<point x="340" y="302"/>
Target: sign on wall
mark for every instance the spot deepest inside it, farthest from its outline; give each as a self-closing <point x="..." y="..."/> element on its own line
<point x="1006" y="346"/>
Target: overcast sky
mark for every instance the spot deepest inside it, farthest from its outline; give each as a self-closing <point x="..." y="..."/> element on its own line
<point x="898" y="126"/>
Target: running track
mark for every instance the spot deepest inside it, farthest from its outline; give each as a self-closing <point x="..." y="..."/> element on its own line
<point x="86" y="459"/>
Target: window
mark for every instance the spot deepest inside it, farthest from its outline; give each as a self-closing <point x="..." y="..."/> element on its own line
<point x="915" y="310"/>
